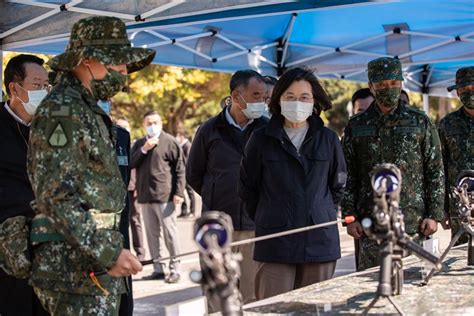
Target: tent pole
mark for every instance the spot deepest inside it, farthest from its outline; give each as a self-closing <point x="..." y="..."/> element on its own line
<point x="426" y="103"/>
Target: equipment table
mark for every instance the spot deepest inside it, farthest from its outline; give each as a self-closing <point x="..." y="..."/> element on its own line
<point x="450" y="292"/>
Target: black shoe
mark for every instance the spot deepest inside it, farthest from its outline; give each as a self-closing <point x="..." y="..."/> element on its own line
<point x="155" y="276"/>
<point x="174" y="277"/>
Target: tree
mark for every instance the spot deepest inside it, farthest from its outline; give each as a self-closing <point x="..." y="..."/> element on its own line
<point x="184" y="98"/>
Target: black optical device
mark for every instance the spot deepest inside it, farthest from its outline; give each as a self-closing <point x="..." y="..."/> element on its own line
<point x="220" y="269"/>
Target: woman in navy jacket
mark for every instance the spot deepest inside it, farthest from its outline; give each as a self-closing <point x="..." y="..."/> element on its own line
<point x="293" y="175"/>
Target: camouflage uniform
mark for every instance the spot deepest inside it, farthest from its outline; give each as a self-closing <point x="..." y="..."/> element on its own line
<point x="405" y="137"/>
<point x="76" y="180"/>
<point x="456" y="132"/>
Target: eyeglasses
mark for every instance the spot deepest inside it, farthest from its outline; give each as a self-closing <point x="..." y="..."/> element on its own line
<point x="302" y="98"/>
<point x="38" y="86"/>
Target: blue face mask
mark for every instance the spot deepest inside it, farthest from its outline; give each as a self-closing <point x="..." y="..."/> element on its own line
<point x="104" y="105"/>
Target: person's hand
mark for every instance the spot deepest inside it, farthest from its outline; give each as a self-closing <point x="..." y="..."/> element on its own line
<point x="428" y="226"/>
<point x="355" y="230"/>
<point x="125" y="265"/>
<point x="150" y="143"/>
<point x="446" y="221"/>
<point x="177" y="200"/>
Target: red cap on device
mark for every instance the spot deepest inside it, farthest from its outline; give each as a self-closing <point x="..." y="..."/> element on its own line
<point x="349" y="219"/>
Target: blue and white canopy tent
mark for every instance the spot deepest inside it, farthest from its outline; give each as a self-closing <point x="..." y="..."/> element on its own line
<point x="337" y="38"/>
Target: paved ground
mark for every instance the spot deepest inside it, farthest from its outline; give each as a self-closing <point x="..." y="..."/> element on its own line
<point x="159" y="298"/>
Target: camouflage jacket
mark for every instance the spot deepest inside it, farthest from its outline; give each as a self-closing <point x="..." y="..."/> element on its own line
<point x="74" y="174"/>
<point x="407" y="138"/>
<point x="456" y="132"/>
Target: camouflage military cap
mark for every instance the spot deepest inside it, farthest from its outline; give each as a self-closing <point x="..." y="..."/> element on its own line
<point x="384" y="68"/>
<point x="105" y="39"/>
<point x="464" y="77"/>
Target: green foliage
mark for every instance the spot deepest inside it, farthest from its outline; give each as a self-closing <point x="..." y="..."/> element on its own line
<point x="340" y="92"/>
<point x="184" y="98"/>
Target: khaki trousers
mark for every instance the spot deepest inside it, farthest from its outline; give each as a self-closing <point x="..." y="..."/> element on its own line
<point x="247" y="272"/>
<point x="277" y="278"/>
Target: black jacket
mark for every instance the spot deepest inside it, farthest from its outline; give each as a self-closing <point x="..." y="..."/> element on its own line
<point x="213" y="167"/>
<point x="283" y="190"/>
<point x="15" y="188"/>
<point x="160" y="172"/>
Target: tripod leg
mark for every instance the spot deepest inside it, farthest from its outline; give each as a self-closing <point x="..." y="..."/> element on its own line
<point x="470" y="251"/>
<point x="372" y="304"/>
<point x="398" y="308"/>
<point x="445" y="253"/>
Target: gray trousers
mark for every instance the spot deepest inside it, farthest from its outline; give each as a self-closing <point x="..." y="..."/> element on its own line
<point x="160" y="221"/>
<point x="277" y="278"/>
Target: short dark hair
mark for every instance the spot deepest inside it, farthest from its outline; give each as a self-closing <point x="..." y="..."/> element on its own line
<point x="361" y="94"/>
<point x="321" y="99"/>
<point x="15" y="69"/>
<point x="150" y="113"/>
<point x="406" y="94"/>
<point x="270" y="80"/>
<point x="242" y="77"/>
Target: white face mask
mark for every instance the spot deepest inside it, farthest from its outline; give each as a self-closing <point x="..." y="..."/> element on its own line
<point x="153" y="130"/>
<point x="254" y="110"/>
<point x="104" y="105"/>
<point x="34" y="99"/>
<point x="296" y="111"/>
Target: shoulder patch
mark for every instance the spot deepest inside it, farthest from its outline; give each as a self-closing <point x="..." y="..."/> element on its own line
<point x="58" y="136"/>
<point x="61" y="111"/>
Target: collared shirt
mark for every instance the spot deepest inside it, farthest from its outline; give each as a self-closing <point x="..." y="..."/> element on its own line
<point x="16" y="117"/>
<point x="232" y="122"/>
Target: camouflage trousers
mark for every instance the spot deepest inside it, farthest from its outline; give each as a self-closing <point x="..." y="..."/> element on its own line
<point x="455" y="227"/>
<point x="61" y="303"/>
<point x="369" y="255"/>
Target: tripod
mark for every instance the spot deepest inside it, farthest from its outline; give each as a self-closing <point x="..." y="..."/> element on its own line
<point x="465" y="228"/>
<point x="390" y="283"/>
<point x="388" y="229"/>
<point x="393" y="246"/>
<point x="465" y="196"/>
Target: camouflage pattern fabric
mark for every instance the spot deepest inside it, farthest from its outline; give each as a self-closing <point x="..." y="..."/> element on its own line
<point x="14" y="247"/>
<point x="464" y="77"/>
<point x="67" y="304"/>
<point x="456" y="132"/>
<point x="105" y="39"/>
<point x="407" y="138"/>
<point x="74" y="174"/>
<point x="384" y="68"/>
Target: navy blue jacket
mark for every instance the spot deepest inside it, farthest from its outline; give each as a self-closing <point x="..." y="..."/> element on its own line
<point x="213" y="167"/>
<point x="284" y="190"/>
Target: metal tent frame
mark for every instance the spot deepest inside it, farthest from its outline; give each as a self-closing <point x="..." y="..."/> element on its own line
<point x="213" y="41"/>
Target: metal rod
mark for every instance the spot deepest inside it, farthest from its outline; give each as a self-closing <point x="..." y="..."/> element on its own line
<point x="256" y="239"/>
<point x="426" y="48"/>
<point x="296" y="62"/>
<point x="370" y="39"/>
<point x="425" y="34"/>
<point x="229" y="56"/>
<point x="443" y="255"/>
<point x="359" y="52"/>
<point x="38" y="18"/>
<point x="161" y="8"/>
<point x="286" y="38"/>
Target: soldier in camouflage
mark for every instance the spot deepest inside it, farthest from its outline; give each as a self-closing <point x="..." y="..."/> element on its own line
<point x="75" y="176"/>
<point x="390" y="131"/>
<point x="456" y="132"/>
